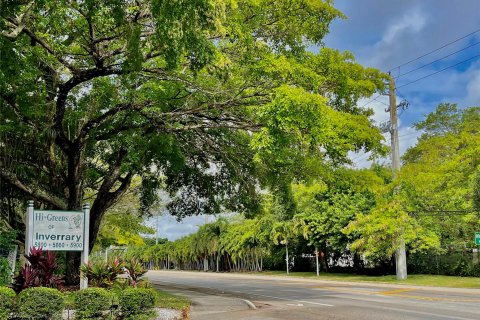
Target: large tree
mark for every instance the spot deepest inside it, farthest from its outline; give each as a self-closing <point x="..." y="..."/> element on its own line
<point x="209" y="99"/>
<point x="431" y="204"/>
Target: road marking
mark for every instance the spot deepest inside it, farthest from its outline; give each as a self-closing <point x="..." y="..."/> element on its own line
<point x="423" y="313"/>
<point x="394" y="292"/>
<point x="343" y="290"/>
<point x="286" y="299"/>
<point x="257" y="294"/>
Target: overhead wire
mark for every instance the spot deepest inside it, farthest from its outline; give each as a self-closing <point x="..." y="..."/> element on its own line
<point x="437" y="49"/>
<point x="436" y="60"/>
<point x="437" y="72"/>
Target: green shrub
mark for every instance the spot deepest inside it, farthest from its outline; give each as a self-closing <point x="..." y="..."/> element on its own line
<point x="136" y="302"/>
<point x="102" y="274"/>
<point x="90" y="303"/>
<point x="40" y="303"/>
<point x="7" y="300"/>
<point x="4" y="271"/>
<point x="135" y="271"/>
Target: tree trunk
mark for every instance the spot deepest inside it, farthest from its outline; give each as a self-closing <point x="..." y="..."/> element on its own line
<point x="323" y="260"/>
<point x="286" y="258"/>
<point x="72" y="276"/>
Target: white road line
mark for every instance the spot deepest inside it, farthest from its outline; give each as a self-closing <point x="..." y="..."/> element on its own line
<point x="424" y="313"/>
<point x="261" y="295"/>
<point x="286" y="299"/>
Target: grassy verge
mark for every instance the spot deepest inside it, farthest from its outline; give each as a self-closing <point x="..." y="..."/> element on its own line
<point x="168" y="300"/>
<point x="414" y="279"/>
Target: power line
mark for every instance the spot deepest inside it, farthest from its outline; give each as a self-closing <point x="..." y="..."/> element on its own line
<point x="434" y="73"/>
<point x="435" y="50"/>
<point x="374" y="99"/>
<point x="386" y="104"/>
<point x="439" y="59"/>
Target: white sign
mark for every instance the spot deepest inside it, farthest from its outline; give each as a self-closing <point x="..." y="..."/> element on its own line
<point x="58" y="230"/>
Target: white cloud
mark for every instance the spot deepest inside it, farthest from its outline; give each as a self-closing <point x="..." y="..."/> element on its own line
<point x="170" y="228"/>
<point x="473" y="86"/>
<point x="407" y="134"/>
<point x="409" y="23"/>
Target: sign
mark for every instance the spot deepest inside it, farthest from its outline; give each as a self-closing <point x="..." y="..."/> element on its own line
<point x="477" y="238"/>
<point x="58" y="230"/>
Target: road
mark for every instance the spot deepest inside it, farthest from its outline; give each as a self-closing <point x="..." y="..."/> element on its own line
<point x="224" y="296"/>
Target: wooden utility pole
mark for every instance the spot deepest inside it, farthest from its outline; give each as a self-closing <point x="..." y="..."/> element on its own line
<point x="400" y="255"/>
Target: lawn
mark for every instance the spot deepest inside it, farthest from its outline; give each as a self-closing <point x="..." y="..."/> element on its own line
<point x="170" y="301"/>
<point x="414" y="279"/>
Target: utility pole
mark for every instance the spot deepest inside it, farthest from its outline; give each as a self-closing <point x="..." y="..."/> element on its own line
<point x="156" y="235"/>
<point x="400" y="255"/>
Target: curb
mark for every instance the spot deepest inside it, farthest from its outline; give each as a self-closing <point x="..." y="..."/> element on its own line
<point x="250" y="304"/>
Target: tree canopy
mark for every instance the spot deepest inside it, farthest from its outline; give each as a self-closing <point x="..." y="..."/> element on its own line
<point x="207" y="99"/>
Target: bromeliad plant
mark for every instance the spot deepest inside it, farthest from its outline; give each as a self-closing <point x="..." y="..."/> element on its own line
<point x="40" y="271"/>
<point x="102" y="274"/>
<point x="135" y="271"/>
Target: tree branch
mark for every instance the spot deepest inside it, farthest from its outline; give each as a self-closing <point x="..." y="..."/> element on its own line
<point x="16" y="109"/>
<point x="19" y="25"/>
<point x="94" y="123"/>
<point x="34" y="191"/>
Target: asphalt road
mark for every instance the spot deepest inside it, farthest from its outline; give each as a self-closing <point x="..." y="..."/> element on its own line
<point x="222" y="296"/>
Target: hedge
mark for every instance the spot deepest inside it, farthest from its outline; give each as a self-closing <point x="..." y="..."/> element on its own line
<point x="89" y="303"/>
<point x="137" y="303"/>
<point x="40" y="303"/>
<point x="7" y="302"/>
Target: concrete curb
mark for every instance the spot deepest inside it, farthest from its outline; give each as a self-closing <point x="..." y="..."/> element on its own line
<point x="250" y="304"/>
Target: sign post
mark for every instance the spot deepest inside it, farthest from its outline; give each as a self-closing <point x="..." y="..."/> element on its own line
<point x="85" y="252"/>
<point x="58" y="230"/>
<point x="29" y="224"/>
<point x="477" y="238"/>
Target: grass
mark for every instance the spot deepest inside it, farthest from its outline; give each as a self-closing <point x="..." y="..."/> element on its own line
<point x="170" y="301"/>
<point x="414" y="279"/>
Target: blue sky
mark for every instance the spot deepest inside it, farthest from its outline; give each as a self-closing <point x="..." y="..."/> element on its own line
<point x="387" y="33"/>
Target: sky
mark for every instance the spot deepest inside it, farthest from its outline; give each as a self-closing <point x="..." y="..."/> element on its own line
<point x="385" y="34"/>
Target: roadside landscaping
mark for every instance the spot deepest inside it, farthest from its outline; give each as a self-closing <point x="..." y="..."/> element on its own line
<point x="414" y="279"/>
<point x="38" y="294"/>
<point x="92" y="303"/>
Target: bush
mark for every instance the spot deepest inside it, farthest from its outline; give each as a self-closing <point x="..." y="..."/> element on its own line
<point x="136" y="302"/>
<point x="4" y="271"/>
<point x="40" y="272"/>
<point x="102" y="274"/>
<point x="90" y="303"/>
<point x="135" y="271"/>
<point x="40" y="303"/>
<point x="7" y="300"/>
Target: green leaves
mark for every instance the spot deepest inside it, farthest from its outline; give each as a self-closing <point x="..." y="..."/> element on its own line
<point x="211" y="100"/>
<point x="381" y="231"/>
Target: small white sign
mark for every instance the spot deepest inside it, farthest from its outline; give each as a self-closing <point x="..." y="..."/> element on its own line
<point x="58" y="230"/>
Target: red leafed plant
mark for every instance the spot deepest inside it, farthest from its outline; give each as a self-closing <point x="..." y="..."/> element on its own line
<point x="134" y="271"/>
<point x="102" y="274"/>
<point x="40" y="271"/>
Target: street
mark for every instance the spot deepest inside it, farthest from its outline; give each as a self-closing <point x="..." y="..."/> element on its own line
<point x="228" y="296"/>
